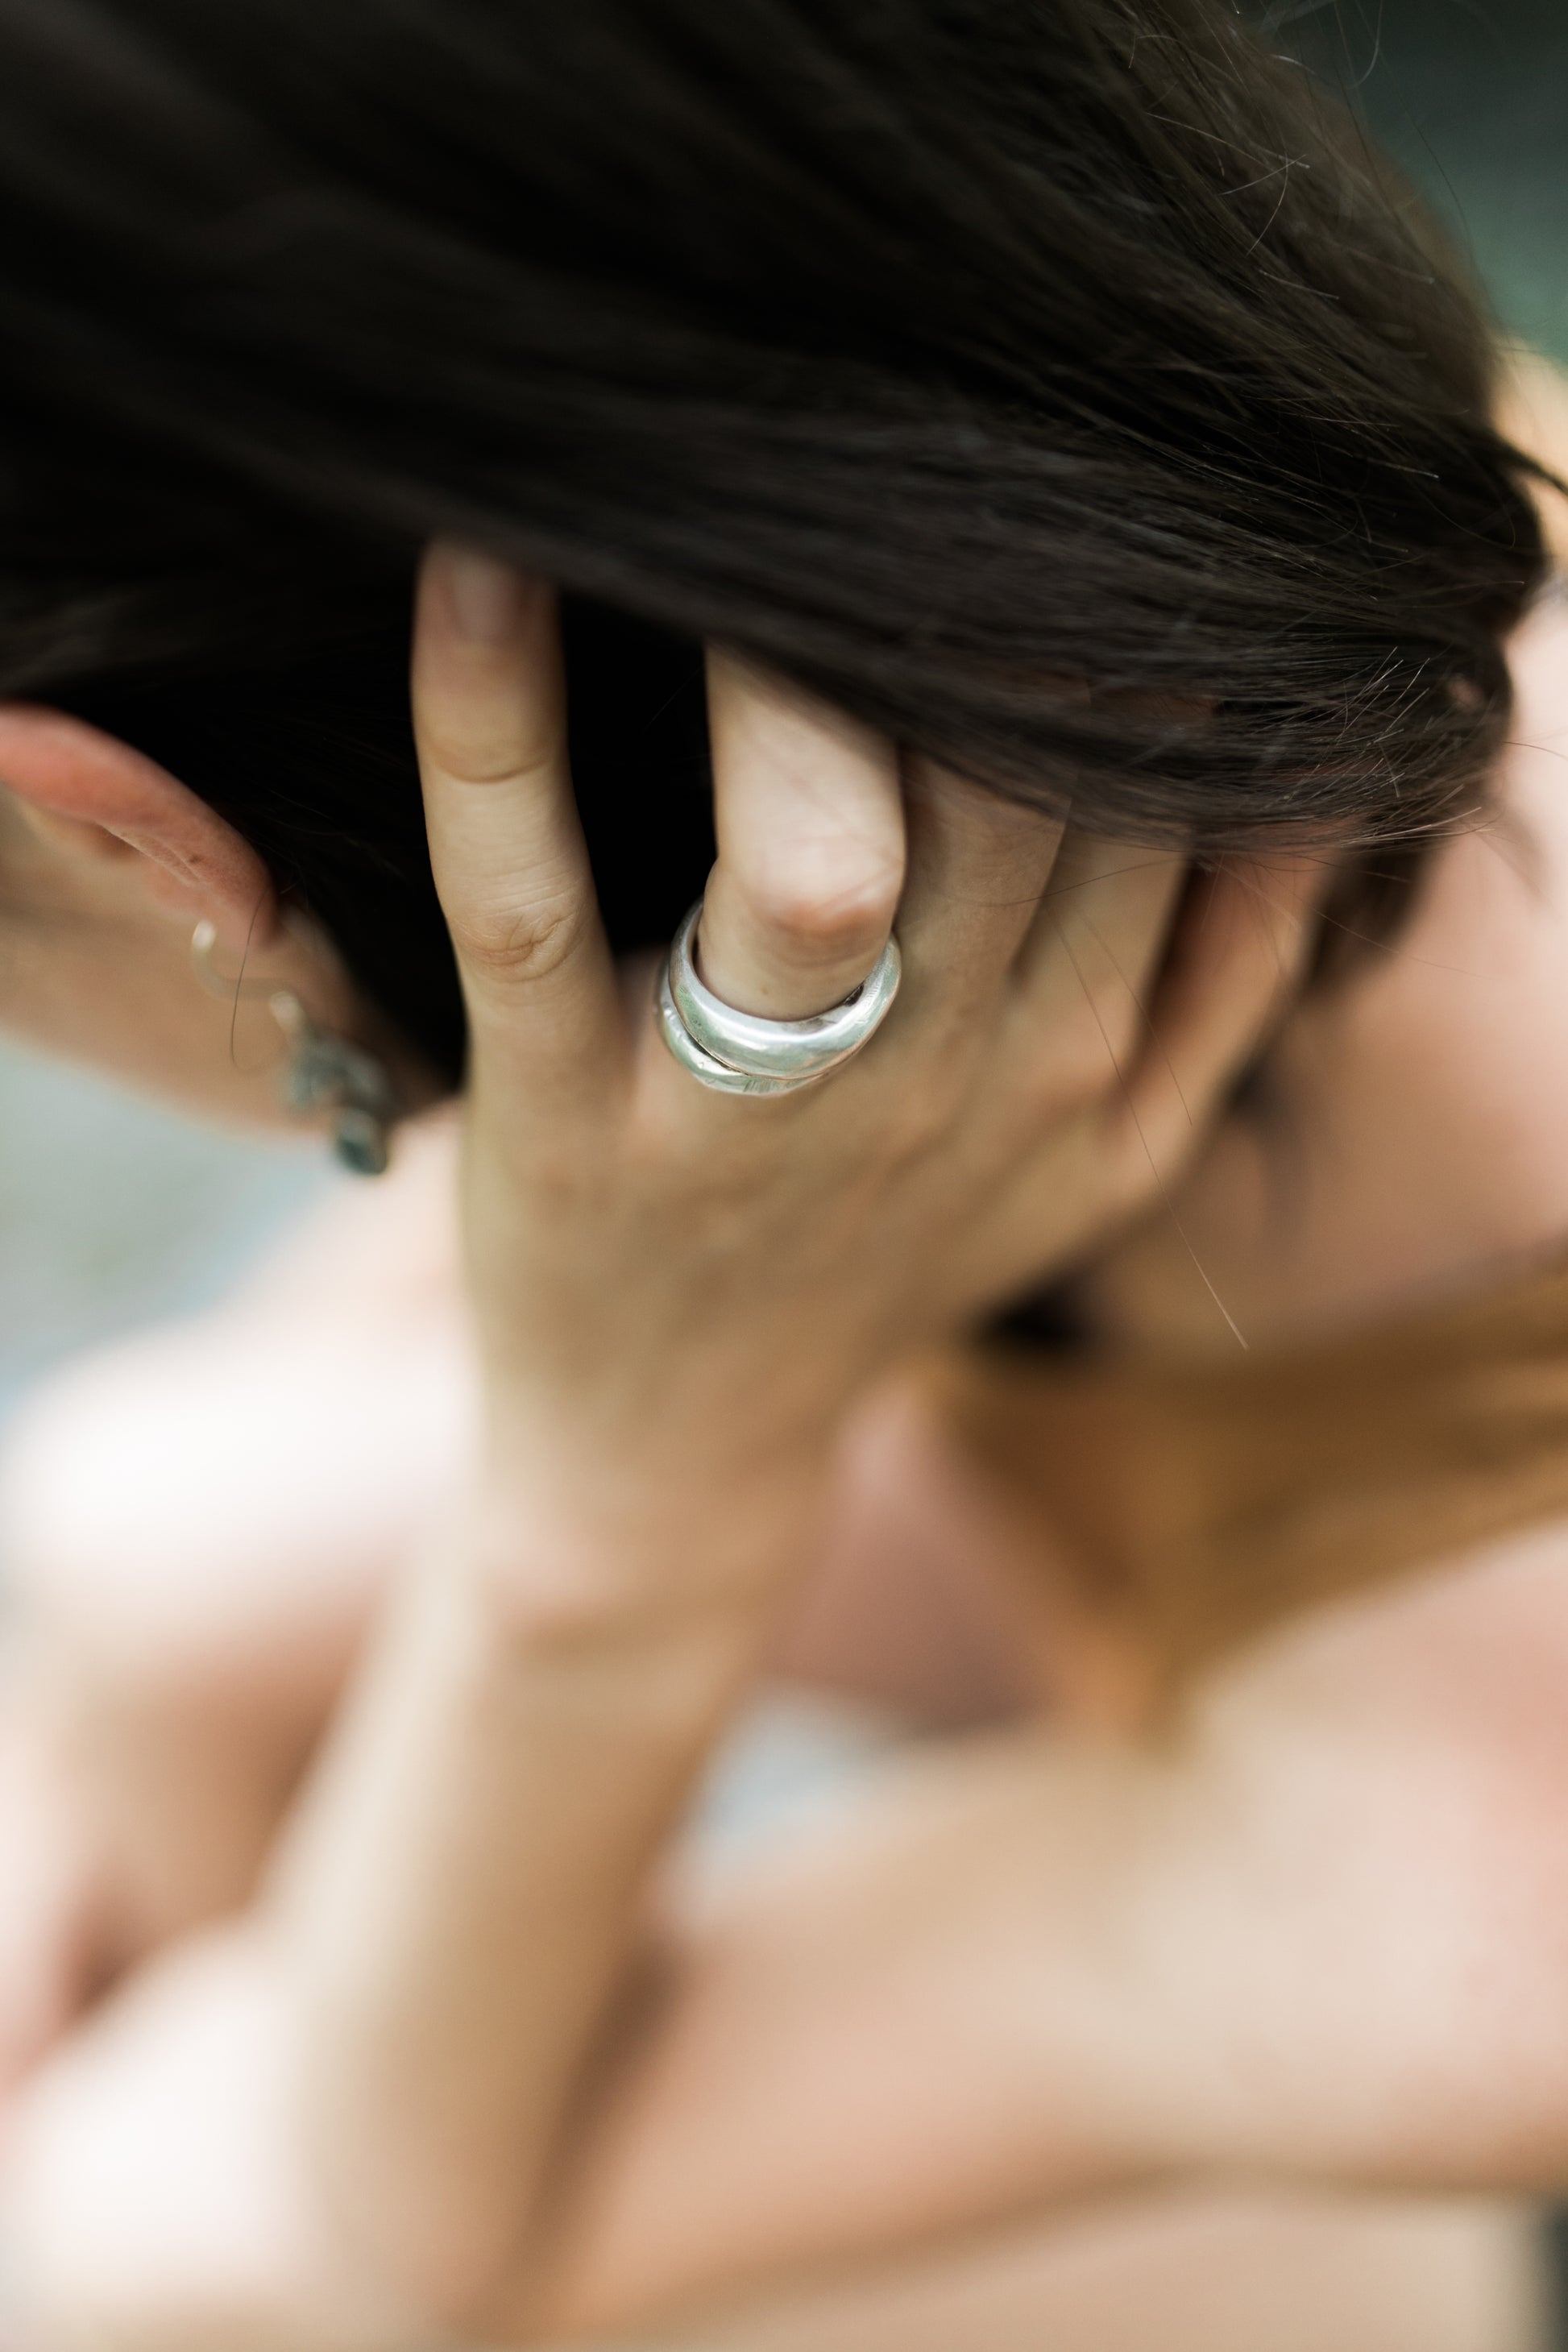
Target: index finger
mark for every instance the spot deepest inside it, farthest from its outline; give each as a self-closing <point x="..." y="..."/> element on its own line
<point x="509" y="860"/>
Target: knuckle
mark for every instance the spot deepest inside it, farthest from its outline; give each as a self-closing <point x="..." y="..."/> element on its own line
<point x="819" y="916"/>
<point x="468" y="749"/>
<point x="1078" y="1069"/>
<point x="1124" y="1036"/>
<point x="515" y="946"/>
<point x="922" y="1119"/>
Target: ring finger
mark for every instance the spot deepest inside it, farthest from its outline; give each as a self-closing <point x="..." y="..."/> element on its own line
<point x="811" y="847"/>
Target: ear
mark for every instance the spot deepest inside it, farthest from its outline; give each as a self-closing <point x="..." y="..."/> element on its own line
<point x="193" y="862"/>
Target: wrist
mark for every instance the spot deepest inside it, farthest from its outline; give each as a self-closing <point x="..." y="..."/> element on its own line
<point x="569" y="1542"/>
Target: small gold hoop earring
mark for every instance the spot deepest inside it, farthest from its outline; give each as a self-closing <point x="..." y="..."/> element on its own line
<point x="324" y="1075"/>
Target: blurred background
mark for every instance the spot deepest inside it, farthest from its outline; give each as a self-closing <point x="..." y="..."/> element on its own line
<point x="112" y="1214"/>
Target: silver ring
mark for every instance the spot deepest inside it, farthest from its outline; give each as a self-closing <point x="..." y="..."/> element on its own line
<point x="741" y="1053"/>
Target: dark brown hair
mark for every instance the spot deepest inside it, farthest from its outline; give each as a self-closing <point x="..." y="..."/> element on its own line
<point x="1055" y="384"/>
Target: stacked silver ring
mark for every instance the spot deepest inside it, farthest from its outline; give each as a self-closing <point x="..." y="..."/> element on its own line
<point x="740" y="1052"/>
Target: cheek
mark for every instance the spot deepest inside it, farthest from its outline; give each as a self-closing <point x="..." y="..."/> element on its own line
<point x="1435" y="1097"/>
<point x="1421" y="1135"/>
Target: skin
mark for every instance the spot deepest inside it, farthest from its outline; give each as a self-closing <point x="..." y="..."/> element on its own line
<point x="109" y="865"/>
<point x="1327" y="1207"/>
<point x="656" y="1275"/>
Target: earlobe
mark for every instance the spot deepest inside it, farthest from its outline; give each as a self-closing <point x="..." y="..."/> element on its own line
<point x="195" y="862"/>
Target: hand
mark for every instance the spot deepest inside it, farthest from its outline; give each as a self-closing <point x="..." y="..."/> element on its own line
<point x="670" y="1283"/>
<point x="666" y="1276"/>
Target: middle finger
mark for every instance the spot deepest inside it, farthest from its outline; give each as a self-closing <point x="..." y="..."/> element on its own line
<point x="978" y="866"/>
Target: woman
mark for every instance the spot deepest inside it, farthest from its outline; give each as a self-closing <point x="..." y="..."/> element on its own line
<point x="1423" y="1704"/>
<point x="1126" y="532"/>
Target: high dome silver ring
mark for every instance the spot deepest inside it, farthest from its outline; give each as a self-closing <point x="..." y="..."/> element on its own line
<point x="741" y="1053"/>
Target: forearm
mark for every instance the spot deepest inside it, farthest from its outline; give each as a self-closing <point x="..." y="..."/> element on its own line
<point x="1323" y="1935"/>
<point x="463" y="1898"/>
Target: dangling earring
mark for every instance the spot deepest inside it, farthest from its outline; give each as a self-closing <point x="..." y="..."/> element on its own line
<point x="324" y="1072"/>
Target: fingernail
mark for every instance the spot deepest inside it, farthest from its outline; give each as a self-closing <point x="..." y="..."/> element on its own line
<point x="485" y="597"/>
